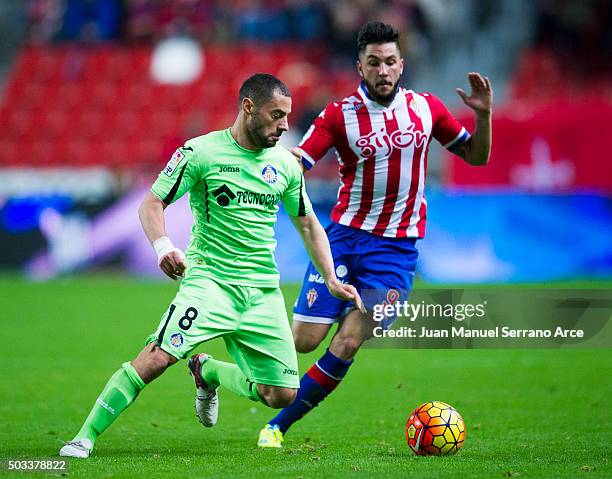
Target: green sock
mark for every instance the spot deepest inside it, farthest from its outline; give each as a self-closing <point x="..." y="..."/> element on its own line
<point x="230" y="376"/>
<point x="119" y="392"/>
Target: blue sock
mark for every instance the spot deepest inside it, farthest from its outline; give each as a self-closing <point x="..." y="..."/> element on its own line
<point x="320" y="380"/>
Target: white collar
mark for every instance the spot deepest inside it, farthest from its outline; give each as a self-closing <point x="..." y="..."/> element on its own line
<point x="370" y="103"/>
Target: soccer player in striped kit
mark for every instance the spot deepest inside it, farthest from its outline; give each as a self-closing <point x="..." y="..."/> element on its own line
<point x="381" y="134"/>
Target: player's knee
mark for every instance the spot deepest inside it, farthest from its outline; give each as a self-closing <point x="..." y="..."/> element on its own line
<point x="308" y="336"/>
<point x="158" y="358"/>
<point x="305" y="344"/>
<point x="347" y="346"/>
<point x="162" y="360"/>
<point x="278" y="398"/>
<point x="152" y="362"/>
<point x="283" y="398"/>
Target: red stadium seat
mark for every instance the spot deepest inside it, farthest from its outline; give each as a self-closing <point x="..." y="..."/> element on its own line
<point x="101" y="95"/>
<point x="111" y="152"/>
<point x="91" y="125"/>
<point x="41" y="152"/>
<point x="58" y="153"/>
<point x="80" y="152"/>
<point x="21" y="125"/>
<point x="13" y="152"/>
<point x="54" y="124"/>
<point x="126" y="125"/>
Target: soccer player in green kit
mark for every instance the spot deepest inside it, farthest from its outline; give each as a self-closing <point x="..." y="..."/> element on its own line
<point x="236" y="178"/>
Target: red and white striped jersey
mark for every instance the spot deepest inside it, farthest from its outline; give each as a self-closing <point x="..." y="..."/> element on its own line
<point x="382" y="154"/>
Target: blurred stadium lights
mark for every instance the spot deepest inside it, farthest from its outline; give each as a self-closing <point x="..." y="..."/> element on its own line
<point x="177" y="61"/>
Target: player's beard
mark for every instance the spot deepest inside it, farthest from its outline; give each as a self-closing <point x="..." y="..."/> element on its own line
<point x="381" y="98"/>
<point x="257" y="131"/>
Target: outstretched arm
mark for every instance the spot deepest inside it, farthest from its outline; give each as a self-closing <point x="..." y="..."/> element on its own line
<point x="317" y="245"/>
<point x="171" y="260"/>
<point x="477" y="149"/>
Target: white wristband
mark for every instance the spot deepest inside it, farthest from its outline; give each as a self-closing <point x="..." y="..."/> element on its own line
<point x="162" y="247"/>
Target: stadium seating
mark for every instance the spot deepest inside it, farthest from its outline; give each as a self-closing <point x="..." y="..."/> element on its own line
<point x="75" y="106"/>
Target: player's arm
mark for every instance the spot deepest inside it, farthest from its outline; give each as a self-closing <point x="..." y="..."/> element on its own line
<point x="171" y="259"/>
<point x="316" y="243"/>
<point x="477" y="149"/>
<point x="319" y="138"/>
<point x="298" y="206"/>
<point x="176" y="179"/>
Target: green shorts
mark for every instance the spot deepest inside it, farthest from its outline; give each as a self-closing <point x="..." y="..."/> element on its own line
<point x="252" y="321"/>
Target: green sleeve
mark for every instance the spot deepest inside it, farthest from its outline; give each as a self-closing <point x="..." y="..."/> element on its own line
<point x="294" y="198"/>
<point x="180" y="174"/>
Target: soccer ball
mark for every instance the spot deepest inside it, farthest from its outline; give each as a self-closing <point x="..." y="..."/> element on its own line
<point x="435" y="428"/>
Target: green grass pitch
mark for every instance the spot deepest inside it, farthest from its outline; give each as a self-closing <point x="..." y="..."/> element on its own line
<point x="529" y="413"/>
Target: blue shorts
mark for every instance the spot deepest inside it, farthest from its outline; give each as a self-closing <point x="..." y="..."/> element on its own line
<point x="382" y="270"/>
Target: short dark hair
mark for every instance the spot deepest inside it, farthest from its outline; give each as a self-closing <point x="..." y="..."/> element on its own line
<point x="261" y="87"/>
<point x="377" y="33"/>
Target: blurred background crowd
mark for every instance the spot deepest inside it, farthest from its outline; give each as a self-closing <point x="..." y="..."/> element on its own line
<point x="574" y="32"/>
<point x="97" y="94"/>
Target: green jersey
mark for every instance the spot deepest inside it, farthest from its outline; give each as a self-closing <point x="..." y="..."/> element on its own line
<point x="234" y="196"/>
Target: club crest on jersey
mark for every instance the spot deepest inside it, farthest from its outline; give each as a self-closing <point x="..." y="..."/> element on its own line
<point x="269" y="174"/>
<point x="311" y="297"/>
<point x="176" y="340"/>
<point x="392" y="296"/>
<point x="414" y="106"/>
<point x="174" y="162"/>
<point x="379" y="142"/>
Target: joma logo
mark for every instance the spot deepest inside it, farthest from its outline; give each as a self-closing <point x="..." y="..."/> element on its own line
<point x="229" y="169"/>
